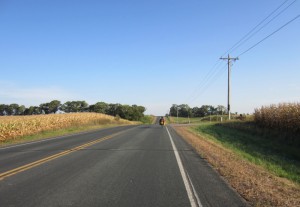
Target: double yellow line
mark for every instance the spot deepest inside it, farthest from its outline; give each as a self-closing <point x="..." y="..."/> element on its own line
<point x="52" y="157"/>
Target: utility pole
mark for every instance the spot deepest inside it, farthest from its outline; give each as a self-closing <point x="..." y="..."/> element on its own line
<point x="188" y="114"/>
<point x="177" y="115"/>
<point x="229" y="72"/>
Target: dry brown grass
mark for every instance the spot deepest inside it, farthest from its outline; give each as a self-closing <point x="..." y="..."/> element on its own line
<point x="284" y="116"/>
<point x="12" y="127"/>
<point x="256" y="185"/>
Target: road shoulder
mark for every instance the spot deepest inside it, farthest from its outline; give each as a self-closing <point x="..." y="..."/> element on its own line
<point x="257" y="186"/>
<point x="211" y="188"/>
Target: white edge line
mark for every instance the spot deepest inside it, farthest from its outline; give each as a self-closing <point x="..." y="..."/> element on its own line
<point x="194" y="191"/>
<point x="186" y="180"/>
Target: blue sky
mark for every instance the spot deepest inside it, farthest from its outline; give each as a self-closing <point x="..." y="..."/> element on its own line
<point x="151" y="53"/>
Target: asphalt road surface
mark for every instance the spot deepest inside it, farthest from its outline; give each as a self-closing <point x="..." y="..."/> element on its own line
<point x="127" y="166"/>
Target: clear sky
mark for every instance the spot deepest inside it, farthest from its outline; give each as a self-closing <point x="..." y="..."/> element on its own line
<point x="153" y="53"/>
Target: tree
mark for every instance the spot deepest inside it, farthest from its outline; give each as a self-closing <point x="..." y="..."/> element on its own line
<point x="54" y="106"/>
<point x="83" y="106"/>
<point x="204" y="110"/>
<point x="137" y="112"/>
<point x="173" y="110"/>
<point x="44" y="107"/>
<point x="3" y="108"/>
<point x="99" y="107"/>
<point x="133" y="112"/>
<point x="124" y="111"/>
<point x="33" y="110"/>
<point x="221" y="109"/>
<point x="112" y="109"/>
<point x="12" y="109"/>
<point x="75" y="106"/>
<point x="67" y="107"/>
<point x="184" y="110"/>
<point x="21" y="110"/>
<point x="212" y="110"/>
<point x="196" y="111"/>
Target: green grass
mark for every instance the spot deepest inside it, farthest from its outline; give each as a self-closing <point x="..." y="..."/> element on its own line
<point x="212" y="118"/>
<point x="148" y="119"/>
<point x="183" y="120"/>
<point x="274" y="155"/>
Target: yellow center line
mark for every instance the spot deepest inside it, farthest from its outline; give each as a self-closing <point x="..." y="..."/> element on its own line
<point x="52" y="157"/>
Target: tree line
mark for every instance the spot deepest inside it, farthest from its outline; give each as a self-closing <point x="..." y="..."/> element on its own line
<point x="184" y="110"/>
<point x="133" y="112"/>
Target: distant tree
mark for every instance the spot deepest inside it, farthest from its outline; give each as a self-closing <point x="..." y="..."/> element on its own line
<point x="67" y="107"/>
<point x="113" y="109"/>
<point x="99" y="107"/>
<point x="138" y="112"/>
<point x="173" y="110"/>
<point x="184" y="110"/>
<point x="212" y="110"/>
<point x="44" y="107"/>
<point x="54" y="106"/>
<point x="33" y="110"/>
<point x="12" y="109"/>
<point x="29" y="111"/>
<point x="3" y="108"/>
<point x="133" y="112"/>
<point x="83" y="106"/>
<point x="75" y="106"/>
<point x="221" y="109"/>
<point x="21" y="110"/>
<point x="197" y="112"/>
<point x="125" y="111"/>
<point x="204" y="110"/>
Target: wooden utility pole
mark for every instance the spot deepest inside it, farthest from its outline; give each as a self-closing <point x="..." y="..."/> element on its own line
<point x="229" y="73"/>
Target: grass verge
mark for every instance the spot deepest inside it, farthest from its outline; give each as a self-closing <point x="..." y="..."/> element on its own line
<point x="148" y="119"/>
<point x="280" y="159"/>
<point x="183" y="120"/>
<point x="241" y="160"/>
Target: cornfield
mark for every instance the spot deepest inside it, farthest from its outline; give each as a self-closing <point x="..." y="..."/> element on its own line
<point x="12" y="127"/>
<point x="284" y="117"/>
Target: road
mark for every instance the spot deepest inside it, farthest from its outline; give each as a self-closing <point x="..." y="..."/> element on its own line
<point x="127" y="166"/>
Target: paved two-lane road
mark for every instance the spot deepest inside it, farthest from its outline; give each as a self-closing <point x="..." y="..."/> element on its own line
<point x="123" y="166"/>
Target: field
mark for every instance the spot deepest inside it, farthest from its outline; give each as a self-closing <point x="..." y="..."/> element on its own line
<point x="14" y="127"/>
<point x="197" y="120"/>
<point x="183" y="120"/>
<point x="283" y="118"/>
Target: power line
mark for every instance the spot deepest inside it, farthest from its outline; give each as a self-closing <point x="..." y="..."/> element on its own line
<point x="213" y="74"/>
<point x="245" y="36"/>
<point x="213" y="78"/>
<point x="206" y="79"/>
<point x="270" y="35"/>
<point x="263" y="26"/>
